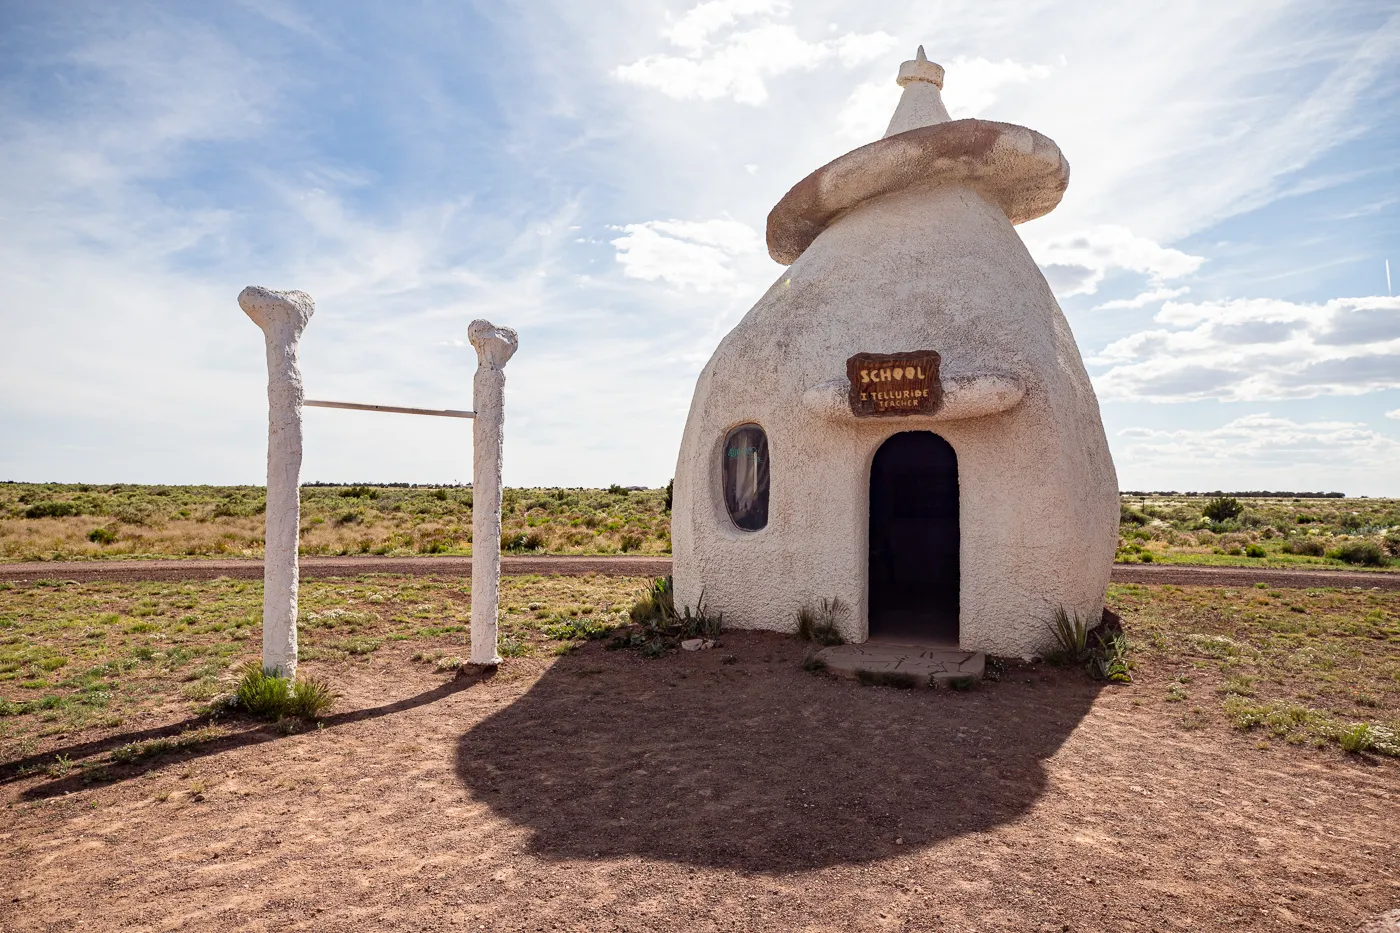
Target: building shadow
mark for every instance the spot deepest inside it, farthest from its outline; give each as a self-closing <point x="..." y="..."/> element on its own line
<point x="748" y="763"/>
<point x="88" y="764"/>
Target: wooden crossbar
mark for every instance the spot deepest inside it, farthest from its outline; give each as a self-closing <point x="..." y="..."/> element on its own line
<point x="356" y="406"/>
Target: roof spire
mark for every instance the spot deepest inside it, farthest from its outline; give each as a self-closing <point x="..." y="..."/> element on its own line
<point x="922" y="101"/>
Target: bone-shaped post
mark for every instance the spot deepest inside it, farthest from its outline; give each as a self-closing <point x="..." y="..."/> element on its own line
<point x="282" y="317"/>
<point x="494" y="348"/>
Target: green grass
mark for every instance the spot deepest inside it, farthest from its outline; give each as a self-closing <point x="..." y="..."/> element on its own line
<point x="1310" y="667"/>
<point x="78" y="656"/>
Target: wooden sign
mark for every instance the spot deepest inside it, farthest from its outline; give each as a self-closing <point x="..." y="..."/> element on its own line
<point x="894" y="383"/>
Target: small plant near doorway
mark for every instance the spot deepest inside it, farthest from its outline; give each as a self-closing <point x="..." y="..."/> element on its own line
<point x="1071" y="638"/>
<point x="660" y="628"/>
<point x="821" y="624"/>
<point x="1101" y="648"/>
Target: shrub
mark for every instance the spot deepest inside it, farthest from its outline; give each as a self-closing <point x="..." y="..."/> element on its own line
<point x="662" y="627"/>
<point x="1071" y="638"/>
<point x="1128" y="516"/>
<point x="821" y="623"/>
<point x="359" y="492"/>
<point x="1222" y="509"/>
<point x="262" y="692"/>
<point x="102" y="536"/>
<point x="670" y="490"/>
<point x="50" y="510"/>
<point x="657" y="601"/>
<point x="631" y="543"/>
<point x="617" y="490"/>
<point x="1255" y="550"/>
<point x="1392" y="543"/>
<point x="1110" y="659"/>
<point x="269" y="695"/>
<point x="1356" y="739"/>
<point x="1310" y="546"/>
<point x="519" y="543"/>
<point x="1366" y="553"/>
<point x="311" y="696"/>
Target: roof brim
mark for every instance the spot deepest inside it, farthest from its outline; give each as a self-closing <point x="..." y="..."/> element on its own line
<point x="1019" y="169"/>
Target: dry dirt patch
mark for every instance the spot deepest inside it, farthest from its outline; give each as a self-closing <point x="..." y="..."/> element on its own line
<point x="599" y="791"/>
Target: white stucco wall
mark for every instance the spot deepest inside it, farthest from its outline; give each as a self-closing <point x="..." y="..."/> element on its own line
<point x="935" y="267"/>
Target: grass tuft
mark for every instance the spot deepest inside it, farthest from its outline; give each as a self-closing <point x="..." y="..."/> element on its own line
<point x="821" y="624"/>
<point x="269" y="695"/>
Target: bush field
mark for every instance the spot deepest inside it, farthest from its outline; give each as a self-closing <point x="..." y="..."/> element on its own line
<point x="53" y="521"/>
<point x="1277" y="532"/>
<point x="41" y="521"/>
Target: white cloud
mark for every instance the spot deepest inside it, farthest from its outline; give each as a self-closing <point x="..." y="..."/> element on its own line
<point x="1260" y="451"/>
<point x="1075" y="264"/>
<point x="737" y="65"/>
<point x="1393" y="414"/>
<point x="971" y="85"/>
<point x="692" y="30"/>
<point x="1255" y="350"/>
<point x="698" y="254"/>
<point x="1142" y="299"/>
<point x="868" y="110"/>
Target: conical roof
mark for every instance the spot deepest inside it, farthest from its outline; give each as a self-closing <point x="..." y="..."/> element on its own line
<point x="1018" y="169"/>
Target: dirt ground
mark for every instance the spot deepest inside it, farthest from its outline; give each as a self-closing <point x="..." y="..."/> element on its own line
<point x="715" y="790"/>
<point x="334" y="567"/>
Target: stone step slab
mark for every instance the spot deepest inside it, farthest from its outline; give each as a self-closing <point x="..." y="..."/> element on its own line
<point x="924" y="665"/>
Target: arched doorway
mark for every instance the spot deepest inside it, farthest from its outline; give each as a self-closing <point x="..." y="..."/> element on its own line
<point x="914" y="540"/>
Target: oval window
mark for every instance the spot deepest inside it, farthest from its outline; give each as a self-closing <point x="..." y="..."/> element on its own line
<point x="746" y="476"/>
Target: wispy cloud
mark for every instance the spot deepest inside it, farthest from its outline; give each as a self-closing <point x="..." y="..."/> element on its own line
<point x="698" y="254"/>
<point x="736" y="66"/>
<point x="1257" y="350"/>
<point x="1261" y="451"/>
<point x="1075" y="264"/>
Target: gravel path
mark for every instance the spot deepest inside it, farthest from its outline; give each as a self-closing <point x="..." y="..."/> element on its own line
<point x="323" y="567"/>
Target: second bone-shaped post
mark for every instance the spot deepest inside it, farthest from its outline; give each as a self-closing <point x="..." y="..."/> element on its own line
<point x="494" y="348"/>
<point x="282" y="317"/>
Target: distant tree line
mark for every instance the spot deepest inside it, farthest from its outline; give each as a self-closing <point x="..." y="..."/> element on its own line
<point x="1248" y="494"/>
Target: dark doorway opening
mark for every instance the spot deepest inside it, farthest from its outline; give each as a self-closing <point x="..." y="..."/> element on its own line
<point x="914" y="571"/>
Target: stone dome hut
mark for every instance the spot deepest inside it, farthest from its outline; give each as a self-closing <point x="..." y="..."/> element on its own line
<point x="903" y="420"/>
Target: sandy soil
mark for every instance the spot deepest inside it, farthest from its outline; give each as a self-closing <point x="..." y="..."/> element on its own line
<point x="716" y="790"/>
<point x="326" y="567"/>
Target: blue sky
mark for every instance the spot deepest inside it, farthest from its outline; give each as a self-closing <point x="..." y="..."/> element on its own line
<point x="598" y="176"/>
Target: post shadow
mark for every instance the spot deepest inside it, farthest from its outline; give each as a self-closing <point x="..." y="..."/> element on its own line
<point x="757" y="765"/>
<point x="252" y="732"/>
